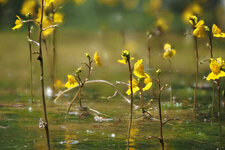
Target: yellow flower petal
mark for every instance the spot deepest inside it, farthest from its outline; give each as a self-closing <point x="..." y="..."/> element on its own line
<point x="71" y="82"/>
<point x="58" y="17"/>
<point x="217" y="32"/>
<point x="139" y="69"/>
<point x="97" y="59"/>
<point x="18" y="23"/>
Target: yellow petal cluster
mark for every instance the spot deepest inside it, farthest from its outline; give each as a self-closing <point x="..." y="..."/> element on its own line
<point x="216" y="66"/>
<point x="161" y="24"/>
<point x="71" y="82"/>
<point x="139" y="69"/>
<point x="217" y="32"/>
<point x="18" y="23"/>
<point x="97" y="59"/>
<point x="148" y="82"/>
<point x="58" y="17"/>
<point x="200" y="29"/>
<point x="28" y="7"/>
<point x="58" y="84"/>
<point x="135" y="87"/>
<point x="192" y="9"/>
<point x="125" y="56"/>
<point x="169" y="52"/>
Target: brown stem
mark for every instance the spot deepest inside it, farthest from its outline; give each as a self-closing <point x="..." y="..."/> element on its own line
<point x="54" y="53"/>
<point x="211" y="46"/>
<point x="196" y="74"/>
<point x="40" y="58"/>
<point x="219" y="113"/>
<point x="74" y="98"/>
<point x="131" y="104"/>
<point x="31" y="64"/>
<point x="160" y="114"/>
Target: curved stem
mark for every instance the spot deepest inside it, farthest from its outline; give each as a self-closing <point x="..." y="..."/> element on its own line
<point x="96" y="81"/>
<point x="74" y="98"/>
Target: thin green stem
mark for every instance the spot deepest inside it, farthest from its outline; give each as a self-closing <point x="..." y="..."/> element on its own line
<point x="171" y="89"/>
<point x="31" y="64"/>
<point x="219" y="113"/>
<point x="213" y="103"/>
<point x="131" y="103"/>
<point x="213" y="85"/>
<point x="40" y="58"/>
<point x="196" y="74"/>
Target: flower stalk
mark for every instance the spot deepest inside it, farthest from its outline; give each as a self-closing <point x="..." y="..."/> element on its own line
<point x="196" y="73"/>
<point x="132" y="101"/>
<point x="31" y="62"/>
<point x="160" y="113"/>
<point x="219" y="113"/>
<point x="40" y="58"/>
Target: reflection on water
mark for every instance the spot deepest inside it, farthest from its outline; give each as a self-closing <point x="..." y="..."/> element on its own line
<point x="133" y="134"/>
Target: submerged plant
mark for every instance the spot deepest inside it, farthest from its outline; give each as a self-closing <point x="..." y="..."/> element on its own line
<point x="161" y="123"/>
<point x="216" y="66"/>
<point x="168" y="54"/>
<point x="215" y="32"/>
<point x="198" y="32"/>
<point x="18" y="24"/>
<point x="126" y="58"/>
<point x="76" y="80"/>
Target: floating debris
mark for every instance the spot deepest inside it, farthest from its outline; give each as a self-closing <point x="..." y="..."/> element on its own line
<point x="101" y="119"/>
<point x="72" y="142"/>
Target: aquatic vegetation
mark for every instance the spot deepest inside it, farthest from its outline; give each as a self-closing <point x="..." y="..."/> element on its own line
<point x="131" y="94"/>
<point x="168" y="54"/>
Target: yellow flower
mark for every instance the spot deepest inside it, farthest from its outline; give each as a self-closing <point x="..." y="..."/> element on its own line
<point x="97" y="59"/>
<point x="221" y="62"/>
<point x="148" y="82"/>
<point x="139" y="69"/>
<point x="58" y="17"/>
<point x="18" y="23"/>
<point x="199" y="30"/>
<point x="3" y="1"/>
<point x="71" y="82"/>
<point x="125" y="55"/>
<point x="134" y="87"/>
<point x="217" y="32"/>
<point x="161" y="24"/>
<point x="193" y="9"/>
<point x="215" y="66"/>
<point x="28" y="7"/>
<point x="58" y="84"/>
<point x="46" y="23"/>
<point x="169" y="52"/>
<point x="193" y="20"/>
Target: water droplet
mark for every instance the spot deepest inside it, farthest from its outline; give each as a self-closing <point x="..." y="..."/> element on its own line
<point x="30" y="109"/>
<point x="113" y="135"/>
<point x="49" y="92"/>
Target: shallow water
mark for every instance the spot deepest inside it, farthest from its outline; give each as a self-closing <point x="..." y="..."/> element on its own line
<point x="19" y="125"/>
